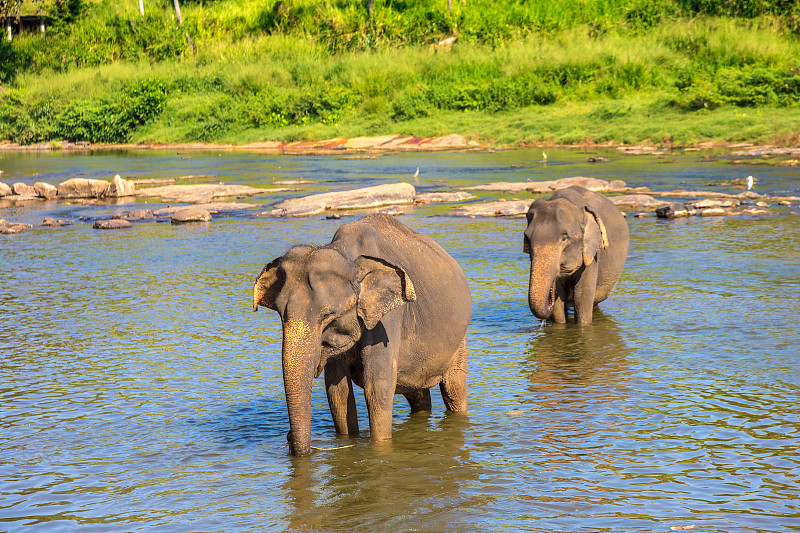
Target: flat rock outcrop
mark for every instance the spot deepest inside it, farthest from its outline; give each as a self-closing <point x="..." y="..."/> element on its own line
<point x="442" y="197"/>
<point x="213" y="208"/>
<point x="190" y="214"/>
<point x="592" y="184"/>
<point x="201" y="192"/>
<point x="383" y="142"/>
<point x="494" y="209"/>
<point x="636" y="201"/>
<point x="367" y="197"/>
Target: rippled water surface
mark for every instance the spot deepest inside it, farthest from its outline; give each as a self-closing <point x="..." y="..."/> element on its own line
<point x="139" y="391"/>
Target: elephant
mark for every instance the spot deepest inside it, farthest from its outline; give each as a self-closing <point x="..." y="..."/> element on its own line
<point x="381" y="306"/>
<point x="577" y="241"/>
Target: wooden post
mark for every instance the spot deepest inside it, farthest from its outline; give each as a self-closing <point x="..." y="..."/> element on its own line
<point x="41" y="26"/>
<point x="141" y="7"/>
<point x="8" y="29"/>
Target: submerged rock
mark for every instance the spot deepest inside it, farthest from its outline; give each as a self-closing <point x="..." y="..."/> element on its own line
<point x="9" y="228"/>
<point x="136" y="215"/>
<point x="377" y="196"/>
<point x="115" y="223"/>
<point x="56" y="223"/>
<point x="190" y="214"/>
<point x="201" y="192"/>
<point x="213" y="208"/>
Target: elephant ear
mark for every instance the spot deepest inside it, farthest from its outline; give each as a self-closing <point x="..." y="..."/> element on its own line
<point x="594" y="235"/>
<point x="268" y="285"/>
<point x="526" y="247"/>
<point x="382" y="287"/>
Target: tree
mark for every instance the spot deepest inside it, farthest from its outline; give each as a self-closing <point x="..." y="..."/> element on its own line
<point x="178" y="12"/>
<point x="141" y="7"/>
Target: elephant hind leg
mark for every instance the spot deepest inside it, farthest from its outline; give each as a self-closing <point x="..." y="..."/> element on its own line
<point x="454" y="383"/>
<point x="419" y="400"/>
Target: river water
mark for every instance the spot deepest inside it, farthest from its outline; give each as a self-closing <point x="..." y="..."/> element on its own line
<point x="140" y="392"/>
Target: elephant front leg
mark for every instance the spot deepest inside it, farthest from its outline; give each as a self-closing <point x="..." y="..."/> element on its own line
<point x="342" y="401"/>
<point x="559" y="315"/>
<point x="380" y="380"/>
<point x="584" y="292"/>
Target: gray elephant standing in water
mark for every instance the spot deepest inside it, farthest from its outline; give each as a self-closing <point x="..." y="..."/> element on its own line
<point x="382" y="306"/>
<point x="578" y="241"/>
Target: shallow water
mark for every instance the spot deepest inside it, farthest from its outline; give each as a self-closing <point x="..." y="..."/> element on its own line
<point x="140" y="391"/>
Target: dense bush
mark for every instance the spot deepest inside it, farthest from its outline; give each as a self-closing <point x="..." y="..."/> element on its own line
<point x="742" y="87"/>
<point x="112" y="119"/>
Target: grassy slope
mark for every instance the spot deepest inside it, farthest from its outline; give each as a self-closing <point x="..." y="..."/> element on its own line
<point x="599" y="71"/>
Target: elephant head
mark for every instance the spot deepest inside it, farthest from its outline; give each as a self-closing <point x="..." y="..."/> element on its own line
<point x="563" y="235"/>
<point x="325" y="302"/>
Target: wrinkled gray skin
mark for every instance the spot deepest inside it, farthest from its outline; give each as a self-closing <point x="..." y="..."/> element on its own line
<point x="578" y="241"/>
<point x="382" y="306"/>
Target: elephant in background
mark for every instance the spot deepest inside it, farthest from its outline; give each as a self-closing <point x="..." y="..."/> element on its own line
<point x="382" y="306"/>
<point x="577" y="241"/>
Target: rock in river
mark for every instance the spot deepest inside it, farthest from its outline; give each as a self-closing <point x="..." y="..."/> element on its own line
<point x="82" y="188"/>
<point x="442" y="197"/>
<point x="120" y="187"/>
<point x="636" y="201"/>
<point x="201" y="192"/>
<point x="494" y="209"/>
<point x="8" y="228"/>
<point x="190" y="214"/>
<point x="5" y="190"/>
<point x="116" y="223"/>
<point x="377" y="196"/>
<point x="45" y="190"/>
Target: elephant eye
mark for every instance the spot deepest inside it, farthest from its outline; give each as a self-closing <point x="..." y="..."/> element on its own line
<point x="327" y="314"/>
<point x="564" y="237"/>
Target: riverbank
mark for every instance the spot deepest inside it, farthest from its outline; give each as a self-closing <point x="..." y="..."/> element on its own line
<point x="678" y="80"/>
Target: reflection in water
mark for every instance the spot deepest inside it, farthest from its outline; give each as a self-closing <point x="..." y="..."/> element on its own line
<point x="416" y="478"/>
<point x="578" y="364"/>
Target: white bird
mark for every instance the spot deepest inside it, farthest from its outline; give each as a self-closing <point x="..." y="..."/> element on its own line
<point x="544" y="156"/>
<point x="416" y="174"/>
<point x="749" y="182"/>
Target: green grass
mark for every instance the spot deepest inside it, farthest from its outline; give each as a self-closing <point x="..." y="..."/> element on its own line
<point x="522" y="72"/>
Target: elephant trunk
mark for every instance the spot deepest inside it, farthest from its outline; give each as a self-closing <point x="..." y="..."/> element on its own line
<point x="542" y="284"/>
<point x="301" y="352"/>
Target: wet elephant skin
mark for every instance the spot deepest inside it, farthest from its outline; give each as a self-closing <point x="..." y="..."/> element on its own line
<point x="577" y="241"/>
<point x="380" y="306"/>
